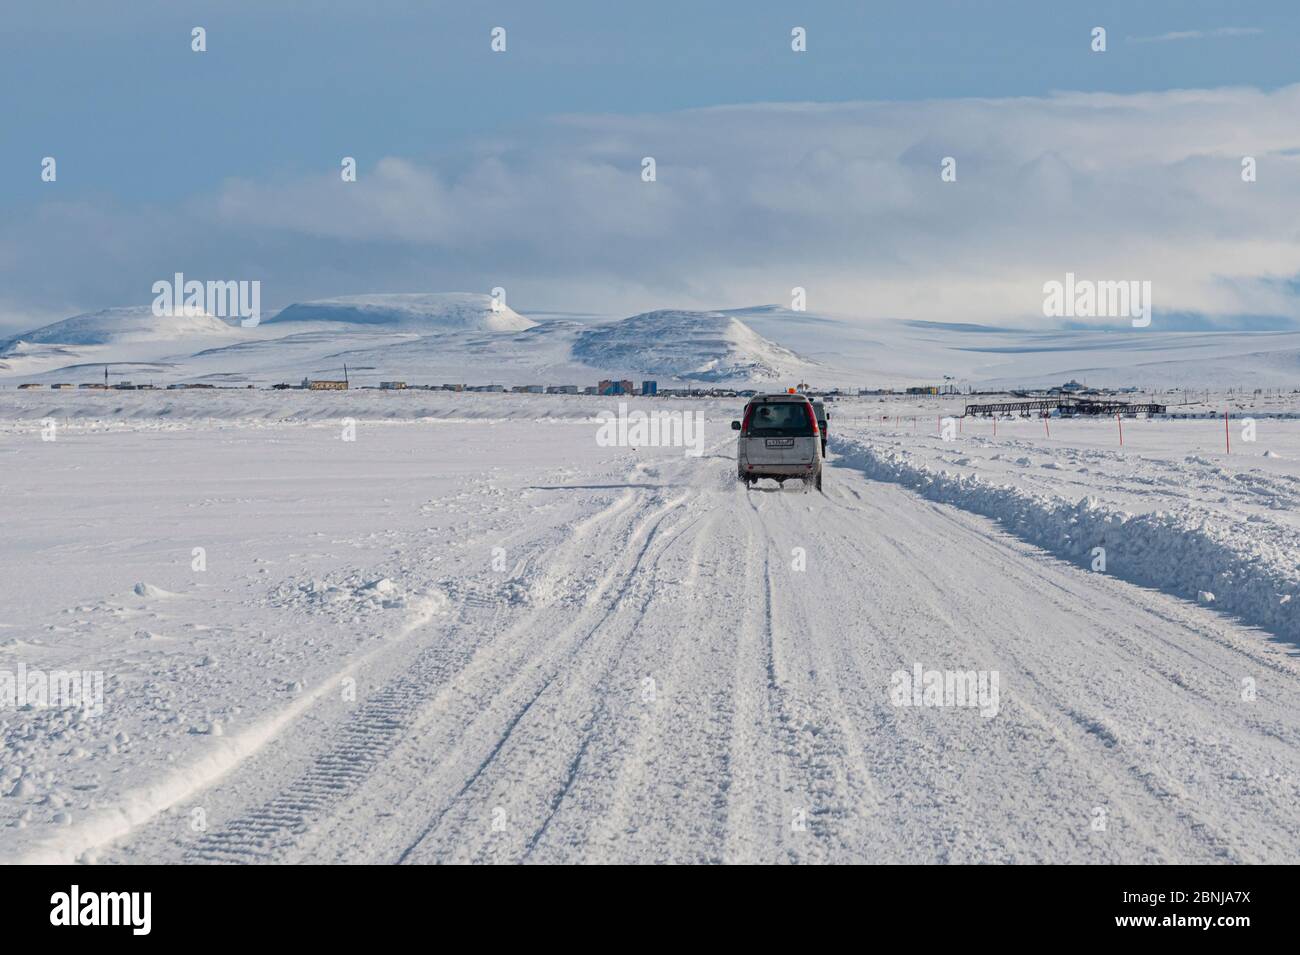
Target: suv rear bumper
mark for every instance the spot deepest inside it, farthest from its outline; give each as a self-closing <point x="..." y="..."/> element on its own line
<point x="780" y="470"/>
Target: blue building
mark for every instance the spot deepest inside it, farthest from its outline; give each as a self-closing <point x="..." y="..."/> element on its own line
<point x="609" y="386"/>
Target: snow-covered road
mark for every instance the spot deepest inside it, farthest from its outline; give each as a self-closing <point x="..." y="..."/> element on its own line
<point x="582" y="654"/>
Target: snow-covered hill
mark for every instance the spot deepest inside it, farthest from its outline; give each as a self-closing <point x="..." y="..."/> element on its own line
<point x="126" y="325"/>
<point x="457" y="337"/>
<point x="420" y="312"/>
<point x="132" y="335"/>
<point x="423" y="338"/>
<point x="698" y="346"/>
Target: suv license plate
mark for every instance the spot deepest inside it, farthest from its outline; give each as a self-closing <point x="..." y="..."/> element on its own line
<point x="779" y="443"/>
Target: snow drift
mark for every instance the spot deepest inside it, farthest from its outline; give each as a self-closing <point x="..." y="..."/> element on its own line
<point x="1251" y="572"/>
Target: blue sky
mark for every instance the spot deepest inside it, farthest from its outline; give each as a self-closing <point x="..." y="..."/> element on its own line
<point x="151" y="138"/>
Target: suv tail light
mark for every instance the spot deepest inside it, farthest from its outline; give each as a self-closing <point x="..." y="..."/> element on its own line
<point x="749" y="413"/>
<point x="812" y="418"/>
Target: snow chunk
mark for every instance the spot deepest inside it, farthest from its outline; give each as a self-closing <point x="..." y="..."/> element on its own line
<point x="143" y="589"/>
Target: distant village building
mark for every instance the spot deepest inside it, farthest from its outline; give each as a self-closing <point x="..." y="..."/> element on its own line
<point x="93" y="385"/>
<point x="62" y="385"/>
<point x="453" y="387"/>
<point x="924" y="390"/>
<point x="482" y="388"/>
<point x="392" y="386"/>
<point x="317" y="384"/>
<point x="608" y="386"/>
<point x="528" y="389"/>
<point x="28" y="384"/>
<point x="649" y="387"/>
<point x="561" y="389"/>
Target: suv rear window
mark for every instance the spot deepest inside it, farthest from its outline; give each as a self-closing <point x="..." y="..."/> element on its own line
<point x="780" y="419"/>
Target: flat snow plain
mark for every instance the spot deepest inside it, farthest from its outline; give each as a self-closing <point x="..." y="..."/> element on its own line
<point x="475" y="635"/>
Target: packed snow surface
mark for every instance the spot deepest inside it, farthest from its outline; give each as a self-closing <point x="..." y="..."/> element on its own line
<point x="463" y="630"/>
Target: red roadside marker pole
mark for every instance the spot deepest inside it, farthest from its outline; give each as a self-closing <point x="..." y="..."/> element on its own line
<point x="1227" y="441"/>
<point x="1120" y="421"/>
<point x="1046" y="426"/>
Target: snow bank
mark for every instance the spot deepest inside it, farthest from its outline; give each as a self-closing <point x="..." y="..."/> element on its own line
<point x="1253" y="571"/>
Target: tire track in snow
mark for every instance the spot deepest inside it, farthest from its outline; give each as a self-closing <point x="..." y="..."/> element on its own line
<point x="670" y="757"/>
<point x="555" y="665"/>
<point x="1126" y="784"/>
<point x="1147" y="677"/>
<point x="601" y="713"/>
<point x="848" y="799"/>
<point x="584" y="691"/>
<point x="292" y="813"/>
<point x="758" y="811"/>
<point x="971" y="790"/>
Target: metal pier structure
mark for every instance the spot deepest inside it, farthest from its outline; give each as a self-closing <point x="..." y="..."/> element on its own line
<point x="1069" y="407"/>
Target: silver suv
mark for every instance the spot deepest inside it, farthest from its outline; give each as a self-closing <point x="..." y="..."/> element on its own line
<point x="779" y="439"/>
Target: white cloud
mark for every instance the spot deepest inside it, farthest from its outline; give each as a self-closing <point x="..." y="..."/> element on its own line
<point x="1196" y="35"/>
<point x="843" y="199"/>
